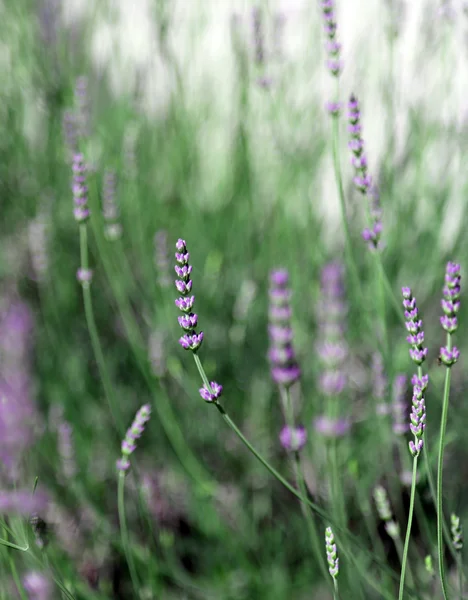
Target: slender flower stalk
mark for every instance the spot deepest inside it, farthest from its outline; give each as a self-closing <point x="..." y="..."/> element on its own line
<point x="448" y="355"/>
<point x="285" y="370"/>
<point x="417" y="426"/>
<point x="123" y="464"/>
<point x="186" y="302"/>
<point x="84" y="277"/>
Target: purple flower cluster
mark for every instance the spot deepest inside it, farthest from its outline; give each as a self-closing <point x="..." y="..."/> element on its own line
<point x="415" y="336"/>
<point x="212" y="393"/>
<point x="362" y="180"/>
<point x="332" y="349"/>
<point x="332" y="556"/>
<point x="293" y="439"/>
<point x="135" y="431"/>
<point x="284" y="368"/>
<point x="450" y="305"/>
<point x="38" y="586"/>
<point x="418" y="420"/>
<point x="372" y="234"/>
<point x="19" y="419"/>
<point x="333" y="47"/>
<point x="110" y="210"/>
<point x="191" y="340"/>
<point x="80" y="189"/>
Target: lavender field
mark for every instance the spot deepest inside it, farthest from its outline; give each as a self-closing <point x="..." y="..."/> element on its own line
<point x="231" y="300"/>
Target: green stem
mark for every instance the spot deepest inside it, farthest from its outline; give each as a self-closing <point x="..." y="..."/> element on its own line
<point x="440" y="462"/>
<point x="14" y="572"/>
<point x="317" y="546"/>
<point x="124" y="532"/>
<point x="408" y="529"/>
<point x="92" y="328"/>
<point x="336" y="595"/>
<point x="319" y="511"/>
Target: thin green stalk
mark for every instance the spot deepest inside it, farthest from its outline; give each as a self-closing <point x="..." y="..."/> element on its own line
<point x="432" y="486"/>
<point x="317" y="547"/>
<point x="319" y="511"/>
<point x="408" y="529"/>
<point x="460" y="576"/>
<point x="336" y="595"/>
<point x="440" y="463"/>
<point x="124" y="533"/>
<point x="14" y="572"/>
<point x="92" y="328"/>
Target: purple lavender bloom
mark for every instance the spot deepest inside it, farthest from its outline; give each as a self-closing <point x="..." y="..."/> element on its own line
<point x="38" y="586"/>
<point x="332" y="557"/>
<point x="450" y="305"/>
<point x="417" y="421"/>
<point x="135" y="431"/>
<point x="80" y="189"/>
<point x="333" y="108"/>
<point x="331" y="428"/>
<point x="332" y="349"/>
<point x="212" y="394"/>
<point x="415" y="338"/>
<point x="23" y="502"/>
<point x="333" y="47"/>
<point x="191" y="340"/>
<point x="293" y="438"/>
<point x="20" y="422"/>
<point x="362" y="180"/>
<point x="284" y="368"/>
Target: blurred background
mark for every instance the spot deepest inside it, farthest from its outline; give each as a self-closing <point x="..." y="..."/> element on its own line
<point x="205" y="120"/>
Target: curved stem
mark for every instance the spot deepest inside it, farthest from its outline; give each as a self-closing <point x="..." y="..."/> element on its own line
<point x="440" y="462"/>
<point x="124" y="532"/>
<point x="408" y="529"/>
<point x="92" y="328"/>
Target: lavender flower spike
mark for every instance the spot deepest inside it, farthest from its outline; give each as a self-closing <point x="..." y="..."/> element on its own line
<point x="80" y="189"/>
<point x="189" y="320"/>
<point x="415" y="338"/>
<point x="212" y="394"/>
<point x="333" y="47"/>
<point x="293" y="438"/>
<point x="450" y="305"/>
<point x="284" y="368"/>
<point x="418" y="421"/>
<point x="332" y="557"/>
<point x="135" y="431"/>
